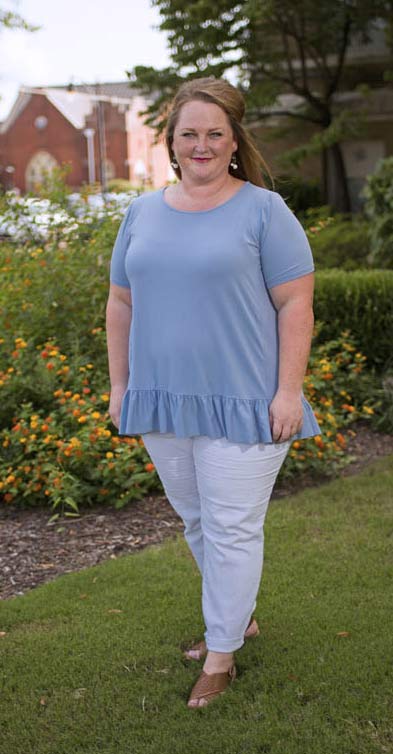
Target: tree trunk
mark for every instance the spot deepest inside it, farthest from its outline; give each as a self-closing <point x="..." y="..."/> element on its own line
<point x="335" y="183"/>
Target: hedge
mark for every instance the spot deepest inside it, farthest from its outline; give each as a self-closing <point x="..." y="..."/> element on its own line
<point x="360" y="301"/>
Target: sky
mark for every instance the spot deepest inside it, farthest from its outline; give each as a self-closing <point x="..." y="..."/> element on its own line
<point x="84" y="41"/>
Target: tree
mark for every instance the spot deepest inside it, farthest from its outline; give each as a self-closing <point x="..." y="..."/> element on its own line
<point x="10" y="20"/>
<point x="275" y="48"/>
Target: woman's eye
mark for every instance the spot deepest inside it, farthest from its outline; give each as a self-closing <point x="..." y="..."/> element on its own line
<point x="216" y="133"/>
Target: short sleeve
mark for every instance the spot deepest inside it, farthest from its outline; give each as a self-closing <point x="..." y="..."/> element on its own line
<point x="285" y="250"/>
<point x="117" y="268"/>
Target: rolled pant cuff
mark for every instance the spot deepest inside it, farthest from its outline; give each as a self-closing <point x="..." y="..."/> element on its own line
<point x="224" y="645"/>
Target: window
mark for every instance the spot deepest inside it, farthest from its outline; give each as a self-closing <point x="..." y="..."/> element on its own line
<point x="42" y="162"/>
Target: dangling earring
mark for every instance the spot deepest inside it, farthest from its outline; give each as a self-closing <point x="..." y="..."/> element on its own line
<point x="174" y="163"/>
<point x="233" y="163"/>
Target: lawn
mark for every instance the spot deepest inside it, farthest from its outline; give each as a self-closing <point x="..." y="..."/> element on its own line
<point x="91" y="662"/>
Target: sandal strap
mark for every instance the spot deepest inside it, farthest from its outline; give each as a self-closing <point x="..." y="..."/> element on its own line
<point x="212" y="684"/>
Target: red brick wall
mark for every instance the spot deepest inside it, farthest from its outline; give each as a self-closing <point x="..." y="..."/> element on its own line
<point x="62" y="140"/>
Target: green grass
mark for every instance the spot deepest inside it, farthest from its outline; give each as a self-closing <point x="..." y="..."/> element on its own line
<point x="76" y="678"/>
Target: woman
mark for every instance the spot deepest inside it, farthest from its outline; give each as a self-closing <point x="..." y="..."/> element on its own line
<point x="208" y="358"/>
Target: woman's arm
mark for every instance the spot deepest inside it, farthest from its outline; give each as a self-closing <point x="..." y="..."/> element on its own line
<point x="118" y="322"/>
<point x="293" y="301"/>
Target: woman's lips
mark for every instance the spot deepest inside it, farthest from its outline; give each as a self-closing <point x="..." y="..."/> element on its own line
<point x="201" y="159"/>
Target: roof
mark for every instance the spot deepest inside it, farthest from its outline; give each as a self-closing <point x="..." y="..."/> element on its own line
<point x="110" y="89"/>
<point x="75" y="104"/>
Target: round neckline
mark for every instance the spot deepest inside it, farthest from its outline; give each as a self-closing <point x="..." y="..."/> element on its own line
<point x="202" y="211"/>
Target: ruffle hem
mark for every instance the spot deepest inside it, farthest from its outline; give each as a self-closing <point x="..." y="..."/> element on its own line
<point x="237" y="419"/>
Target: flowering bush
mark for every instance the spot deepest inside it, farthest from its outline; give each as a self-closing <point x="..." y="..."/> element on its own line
<point x="29" y="219"/>
<point x="59" y="444"/>
<point x="332" y="387"/>
<point x="65" y="450"/>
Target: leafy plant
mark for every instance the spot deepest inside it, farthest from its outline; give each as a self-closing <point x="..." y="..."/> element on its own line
<point x="378" y="207"/>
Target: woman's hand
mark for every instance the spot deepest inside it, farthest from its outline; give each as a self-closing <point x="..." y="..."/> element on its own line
<point x="286" y="415"/>
<point x="115" y="404"/>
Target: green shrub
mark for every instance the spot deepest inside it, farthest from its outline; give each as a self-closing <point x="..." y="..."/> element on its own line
<point x="378" y="207"/>
<point x="59" y="447"/>
<point x="117" y="185"/>
<point x="340" y="241"/>
<point x="362" y="302"/>
<point x="298" y="192"/>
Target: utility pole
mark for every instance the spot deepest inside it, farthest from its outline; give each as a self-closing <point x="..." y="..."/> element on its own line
<point x="101" y="140"/>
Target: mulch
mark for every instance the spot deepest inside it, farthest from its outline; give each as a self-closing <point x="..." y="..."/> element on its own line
<point x="34" y="551"/>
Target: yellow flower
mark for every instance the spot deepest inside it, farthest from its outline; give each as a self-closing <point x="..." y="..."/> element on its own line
<point x="96" y="415"/>
<point x="109" y="455"/>
<point x="105" y="397"/>
<point x="368" y="410"/>
<point x="82" y="419"/>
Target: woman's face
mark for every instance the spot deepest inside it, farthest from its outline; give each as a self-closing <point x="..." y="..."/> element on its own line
<point x="203" y="141"/>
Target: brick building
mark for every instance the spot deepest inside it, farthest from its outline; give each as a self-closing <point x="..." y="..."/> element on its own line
<point x="97" y="129"/>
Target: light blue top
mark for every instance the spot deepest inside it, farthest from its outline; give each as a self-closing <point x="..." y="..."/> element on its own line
<point x="203" y="353"/>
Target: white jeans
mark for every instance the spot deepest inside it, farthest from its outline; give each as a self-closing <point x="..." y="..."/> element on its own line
<point x="221" y="491"/>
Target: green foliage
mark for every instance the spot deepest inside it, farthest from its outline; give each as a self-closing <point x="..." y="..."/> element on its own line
<point x="58" y="445"/>
<point x="379" y="209"/>
<point x="300" y="194"/>
<point x="118" y="185"/>
<point x="10" y="20"/>
<point x="338" y="241"/>
<point x="59" y="290"/>
<point x="362" y="302"/>
<point x="263" y="43"/>
<point x="53" y="185"/>
<point x="332" y="387"/>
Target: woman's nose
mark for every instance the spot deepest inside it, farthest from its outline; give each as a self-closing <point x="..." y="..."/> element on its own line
<point x="201" y="145"/>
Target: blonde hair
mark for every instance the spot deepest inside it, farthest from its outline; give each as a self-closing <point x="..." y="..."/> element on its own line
<point x="231" y="101"/>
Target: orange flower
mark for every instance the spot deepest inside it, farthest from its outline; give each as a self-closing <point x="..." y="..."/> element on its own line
<point x="149" y="466"/>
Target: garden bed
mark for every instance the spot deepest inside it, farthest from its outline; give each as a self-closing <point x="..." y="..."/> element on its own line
<point x="33" y="551"/>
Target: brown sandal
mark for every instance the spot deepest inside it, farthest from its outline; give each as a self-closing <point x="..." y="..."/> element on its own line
<point x="209" y="686"/>
<point x="199" y="651"/>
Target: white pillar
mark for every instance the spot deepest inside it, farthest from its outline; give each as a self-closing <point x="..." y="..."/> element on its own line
<point x="89" y="133"/>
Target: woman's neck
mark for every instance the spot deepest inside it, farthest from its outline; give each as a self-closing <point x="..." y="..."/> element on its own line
<point x="189" y="195"/>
